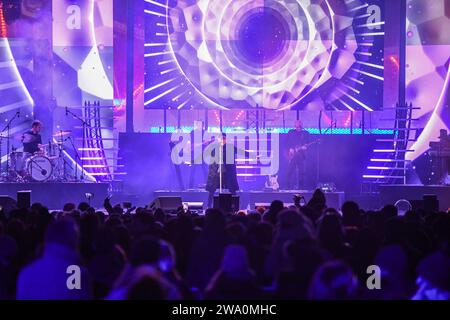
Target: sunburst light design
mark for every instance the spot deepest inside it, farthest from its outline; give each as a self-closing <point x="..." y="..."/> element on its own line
<point x="238" y="54"/>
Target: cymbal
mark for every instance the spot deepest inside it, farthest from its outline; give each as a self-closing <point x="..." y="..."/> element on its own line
<point x="62" y="133"/>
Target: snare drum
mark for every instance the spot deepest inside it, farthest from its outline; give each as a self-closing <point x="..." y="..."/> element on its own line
<point x="39" y="168"/>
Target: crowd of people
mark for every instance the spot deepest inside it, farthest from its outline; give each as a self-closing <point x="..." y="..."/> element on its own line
<point x="289" y="253"/>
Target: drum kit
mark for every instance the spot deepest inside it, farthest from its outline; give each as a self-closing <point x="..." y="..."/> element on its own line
<point x="46" y="165"/>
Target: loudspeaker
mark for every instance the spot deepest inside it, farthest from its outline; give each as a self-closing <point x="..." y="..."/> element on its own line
<point x="417" y="204"/>
<point x="167" y="203"/>
<point x="7" y="203"/>
<point x="431" y="203"/>
<point x="24" y="199"/>
<point x="226" y="202"/>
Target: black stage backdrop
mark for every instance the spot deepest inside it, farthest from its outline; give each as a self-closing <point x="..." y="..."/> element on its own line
<point x="340" y="159"/>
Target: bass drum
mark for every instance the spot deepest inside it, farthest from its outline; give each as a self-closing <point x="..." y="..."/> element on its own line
<point x="39" y="168"/>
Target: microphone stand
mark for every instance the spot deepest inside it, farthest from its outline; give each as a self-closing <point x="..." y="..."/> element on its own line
<point x="77" y="156"/>
<point x="7" y="128"/>
<point x="61" y="159"/>
<point x="84" y="124"/>
<point x="330" y="128"/>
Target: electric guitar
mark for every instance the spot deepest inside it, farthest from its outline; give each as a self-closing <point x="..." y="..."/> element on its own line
<point x="272" y="183"/>
<point x="293" y="152"/>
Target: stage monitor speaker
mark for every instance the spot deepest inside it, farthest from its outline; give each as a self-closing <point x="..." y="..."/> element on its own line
<point x="431" y="202"/>
<point x="167" y="203"/>
<point x="226" y="202"/>
<point x="416" y="204"/>
<point x="193" y="205"/>
<point x="24" y="199"/>
<point x="7" y="203"/>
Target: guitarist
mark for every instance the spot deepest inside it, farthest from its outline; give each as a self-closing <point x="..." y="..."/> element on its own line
<point x="297" y="141"/>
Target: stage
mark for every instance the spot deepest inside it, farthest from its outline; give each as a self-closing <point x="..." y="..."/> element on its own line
<point x="55" y="195"/>
<point x="250" y="198"/>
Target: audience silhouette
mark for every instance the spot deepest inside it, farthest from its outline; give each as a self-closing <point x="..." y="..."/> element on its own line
<point x="300" y="252"/>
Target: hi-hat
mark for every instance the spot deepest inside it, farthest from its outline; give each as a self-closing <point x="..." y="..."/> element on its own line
<point x="62" y="133"/>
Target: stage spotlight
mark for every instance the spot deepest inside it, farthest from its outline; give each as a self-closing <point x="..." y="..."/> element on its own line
<point x="403" y="206"/>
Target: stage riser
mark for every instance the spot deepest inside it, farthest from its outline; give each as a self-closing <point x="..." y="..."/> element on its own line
<point x="334" y="200"/>
<point x="55" y="195"/>
<point x="393" y="193"/>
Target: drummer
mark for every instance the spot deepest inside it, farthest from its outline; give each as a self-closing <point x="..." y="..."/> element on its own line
<point x="32" y="140"/>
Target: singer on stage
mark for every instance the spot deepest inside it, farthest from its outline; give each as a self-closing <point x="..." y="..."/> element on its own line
<point x="227" y="170"/>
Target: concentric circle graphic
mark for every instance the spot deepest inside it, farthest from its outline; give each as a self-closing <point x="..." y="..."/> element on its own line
<point x="269" y="53"/>
<point x="263" y="37"/>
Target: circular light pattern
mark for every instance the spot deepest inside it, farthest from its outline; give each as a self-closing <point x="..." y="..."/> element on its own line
<point x="273" y="54"/>
<point x="267" y="53"/>
<point x="272" y="36"/>
<point x="262" y="38"/>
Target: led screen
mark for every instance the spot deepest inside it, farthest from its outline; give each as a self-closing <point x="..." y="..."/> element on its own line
<point x="241" y="54"/>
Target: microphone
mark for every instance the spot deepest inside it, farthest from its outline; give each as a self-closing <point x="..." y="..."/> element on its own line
<point x="67" y="112"/>
<point x="18" y="114"/>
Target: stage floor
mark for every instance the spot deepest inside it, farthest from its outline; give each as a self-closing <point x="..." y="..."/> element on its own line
<point x="55" y="195"/>
<point x="250" y="198"/>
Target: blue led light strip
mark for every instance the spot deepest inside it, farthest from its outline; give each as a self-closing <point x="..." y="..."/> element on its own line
<point x="314" y="131"/>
